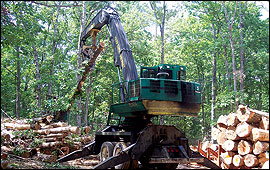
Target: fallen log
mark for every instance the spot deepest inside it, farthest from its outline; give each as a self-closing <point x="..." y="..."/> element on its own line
<point x="227" y="157"/>
<point x="238" y="160"/>
<point x="230" y="145"/>
<point x="59" y="124"/>
<point x="46" y="119"/>
<point x="55" y="135"/>
<point x="231" y="134"/>
<point x="42" y="132"/>
<point x="222" y="122"/>
<point x="221" y="138"/>
<point x="244" y="129"/>
<point x="214" y="133"/>
<point x="50" y="144"/>
<point x="264" y="123"/>
<point x="260" y="134"/>
<point x="251" y="160"/>
<point x="260" y="147"/>
<point x="248" y="115"/>
<point x="232" y="119"/>
<point x="244" y="147"/>
<point x="72" y="129"/>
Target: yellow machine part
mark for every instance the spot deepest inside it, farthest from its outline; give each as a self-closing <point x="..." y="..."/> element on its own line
<point x="156" y="107"/>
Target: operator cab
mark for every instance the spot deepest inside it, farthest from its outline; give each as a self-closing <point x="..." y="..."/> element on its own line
<point x="164" y="71"/>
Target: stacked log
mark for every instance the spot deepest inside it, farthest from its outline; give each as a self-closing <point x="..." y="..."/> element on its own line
<point x="41" y="137"/>
<point x="244" y="136"/>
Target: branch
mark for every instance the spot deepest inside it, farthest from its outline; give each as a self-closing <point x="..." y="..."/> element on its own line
<point x="234" y="12"/>
<point x="67" y="6"/>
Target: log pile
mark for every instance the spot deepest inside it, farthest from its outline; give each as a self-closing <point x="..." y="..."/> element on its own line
<point x="41" y="138"/>
<point x="244" y="136"/>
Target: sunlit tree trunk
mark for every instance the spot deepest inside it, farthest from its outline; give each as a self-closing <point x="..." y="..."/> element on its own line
<point x="18" y="90"/>
<point x="242" y="55"/>
<point x="79" y="65"/>
<point x="37" y="78"/>
<point x="55" y="25"/>
<point x="233" y="49"/>
<point x="214" y="80"/>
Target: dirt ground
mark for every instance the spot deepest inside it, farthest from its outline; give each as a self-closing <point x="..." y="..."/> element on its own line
<point x="83" y="163"/>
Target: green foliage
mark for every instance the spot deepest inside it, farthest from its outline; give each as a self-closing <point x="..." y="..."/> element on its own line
<point x="188" y="41"/>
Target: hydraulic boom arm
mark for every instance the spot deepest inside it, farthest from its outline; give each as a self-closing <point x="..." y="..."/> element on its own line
<point x="122" y="53"/>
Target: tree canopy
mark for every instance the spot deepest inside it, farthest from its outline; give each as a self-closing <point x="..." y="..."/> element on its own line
<point x="39" y="53"/>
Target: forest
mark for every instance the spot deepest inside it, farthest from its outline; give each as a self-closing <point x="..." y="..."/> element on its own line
<point x="223" y="44"/>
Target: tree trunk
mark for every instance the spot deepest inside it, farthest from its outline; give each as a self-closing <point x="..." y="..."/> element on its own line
<point x="79" y="63"/>
<point x="227" y="157"/>
<point x="244" y="147"/>
<point x="231" y="134"/>
<point x="214" y="133"/>
<point x="264" y="123"/>
<point x="260" y="147"/>
<point x="244" y="129"/>
<point x="228" y="74"/>
<point x="232" y="48"/>
<point x="230" y="145"/>
<point x="238" y="160"/>
<point x="162" y="28"/>
<point x="232" y="119"/>
<point x="245" y="114"/>
<point x="214" y="80"/>
<point x="260" y="135"/>
<point x="53" y="47"/>
<point x="38" y="88"/>
<point x="18" y="90"/>
<point x="221" y="138"/>
<point x="251" y="160"/>
<point x="242" y="55"/>
<point x="87" y="102"/>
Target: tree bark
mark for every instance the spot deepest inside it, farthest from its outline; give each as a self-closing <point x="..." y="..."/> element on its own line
<point x="260" y="135"/>
<point x="242" y="55"/>
<point x="232" y="48"/>
<point x="264" y="123"/>
<point x="214" y="80"/>
<point x="38" y="88"/>
<point x="79" y="64"/>
<point x="18" y="90"/>
<point x="55" y="25"/>
<point x="245" y="114"/>
<point x="228" y="74"/>
<point x="232" y="119"/>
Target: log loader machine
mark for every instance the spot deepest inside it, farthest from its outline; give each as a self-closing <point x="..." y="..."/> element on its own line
<point x="130" y="139"/>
